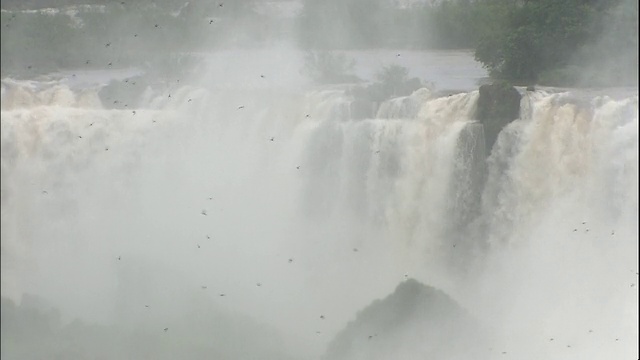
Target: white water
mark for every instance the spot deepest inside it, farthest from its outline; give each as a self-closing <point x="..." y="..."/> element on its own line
<point x="396" y="188"/>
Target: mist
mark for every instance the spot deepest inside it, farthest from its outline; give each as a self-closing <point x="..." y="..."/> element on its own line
<point x="215" y="180"/>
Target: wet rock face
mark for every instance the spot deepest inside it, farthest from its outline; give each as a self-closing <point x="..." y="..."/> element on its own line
<point x="415" y="321"/>
<point x="498" y="105"/>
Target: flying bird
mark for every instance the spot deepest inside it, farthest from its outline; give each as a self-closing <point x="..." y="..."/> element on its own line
<point x="240" y="107"/>
<point x="165" y="329"/>
<point x="258" y="284"/>
<point x="44" y="192"/>
<point x="204" y="212"/>
<point x="222" y="294"/>
<point x="290" y="260"/>
<point x="322" y="317"/>
<point x="198" y="246"/>
<point x="271" y="139"/>
<point x="119" y="258"/>
<point x="107" y="44"/>
<point x="210" y="22"/>
<point x="147" y="306"/>
<point x="298" y="167"/>
<point x="204" y="287"/>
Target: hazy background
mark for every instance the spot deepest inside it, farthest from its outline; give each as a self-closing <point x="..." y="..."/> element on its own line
<point x="306" y="179"/>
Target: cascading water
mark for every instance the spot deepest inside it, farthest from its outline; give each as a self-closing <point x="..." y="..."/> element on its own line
<point x="282" y="203"/>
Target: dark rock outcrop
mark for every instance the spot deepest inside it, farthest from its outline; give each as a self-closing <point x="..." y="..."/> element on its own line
<point x="415" y="321"/>
<point x="498" y="105"/>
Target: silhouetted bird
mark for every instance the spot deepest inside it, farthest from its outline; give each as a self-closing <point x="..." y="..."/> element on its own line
<point x="370" y="336"/>
<point x="221" y="4"/>
<point x="79" y="137"/>
<point x="271" y="139"/>
<point x="397" y="55"/>
<point x="29" y="67"/>
<point x="119" y="258"/>
<point x="189" y="100"/>
<point x="135" y="35"/>
<point x="290" y="260"/>
<point x="307" y="116"/>
<point x="204" y="287"/>
<point x="551" y="339"/>
<point x="377" y="151"/>
<point x="222" y="294"/>
<point x="198" y="246"/>
<point x="204" y="212"/>
<point x="613" y="233"/>
<point x="208" y="237"/>
<point x="146" y="306"/>
<point x="87" y="62"/>
<point x="210" y="22"/>
<point x="156" y="25"/>
<point x="355" y="249"/>
<point x="262" y="76"/>
<point x="44" y="192"/>
<point x="298" y="167"/>
<point x="258" y="284"/>
<point x="106" y="149"/>
<point x="107" y="44"/>
<point x="134" y="112"/>
<point x="210" y="198"/>
<point x="240" y="107"/>
<point x="165" y="329"/>
<point x="91" y="124"/>
<point x="322" y="317"/>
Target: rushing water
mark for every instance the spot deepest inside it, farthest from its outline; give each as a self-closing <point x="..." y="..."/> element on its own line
<point x="267" y="191"/>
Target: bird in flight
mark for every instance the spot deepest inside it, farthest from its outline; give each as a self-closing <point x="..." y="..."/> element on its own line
<point x="271" y="139"/>
<point x="165" y="329"/>
<point x="240" y="107"/>
<point x="204" y="212"/>
<point x="298" y="167"/>
<point x="290" y="260"/>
